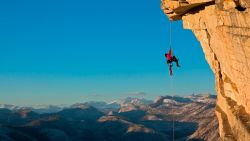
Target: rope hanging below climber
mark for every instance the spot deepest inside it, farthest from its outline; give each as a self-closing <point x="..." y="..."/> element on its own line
<point x="170" y="59"/>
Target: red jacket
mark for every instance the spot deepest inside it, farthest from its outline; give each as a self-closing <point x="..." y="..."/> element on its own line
<point x="169" y="54"/>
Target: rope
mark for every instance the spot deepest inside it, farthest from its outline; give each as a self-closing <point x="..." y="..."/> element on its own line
<point x="170" y="34"/>
<point x="172" y="86"/>
<point x="172" y="109"/>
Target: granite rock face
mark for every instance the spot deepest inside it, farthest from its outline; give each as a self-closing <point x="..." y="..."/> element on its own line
<point x="223" y="29"/>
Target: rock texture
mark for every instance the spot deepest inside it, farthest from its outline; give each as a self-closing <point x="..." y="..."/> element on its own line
<point x="223" y="29"/>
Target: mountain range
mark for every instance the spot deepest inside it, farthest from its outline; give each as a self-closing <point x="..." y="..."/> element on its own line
<point x="131" y="119"/>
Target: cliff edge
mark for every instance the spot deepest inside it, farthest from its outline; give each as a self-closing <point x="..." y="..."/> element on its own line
<point x="223" y="29"/>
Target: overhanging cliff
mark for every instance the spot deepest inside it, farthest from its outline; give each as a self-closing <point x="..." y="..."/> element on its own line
<point x="223" y="29"/>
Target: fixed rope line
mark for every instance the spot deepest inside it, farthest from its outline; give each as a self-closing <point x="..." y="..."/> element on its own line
<point x="172" y="85"/>
<point x="172" y="109"/>
<point x="170" y="34"/>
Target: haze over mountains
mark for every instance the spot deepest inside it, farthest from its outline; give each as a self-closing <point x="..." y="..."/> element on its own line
<point x="130" y="119"/>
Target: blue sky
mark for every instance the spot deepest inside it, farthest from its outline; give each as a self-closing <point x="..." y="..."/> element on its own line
<point x="67" y="51"/>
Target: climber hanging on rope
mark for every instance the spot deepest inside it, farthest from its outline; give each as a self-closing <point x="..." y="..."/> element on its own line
<point x="170" y="59"/>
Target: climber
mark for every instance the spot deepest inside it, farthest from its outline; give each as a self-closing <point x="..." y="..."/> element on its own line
<point x="171" y="59"/>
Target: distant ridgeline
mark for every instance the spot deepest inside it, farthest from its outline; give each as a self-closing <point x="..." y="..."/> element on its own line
<point x="130" y="119"/>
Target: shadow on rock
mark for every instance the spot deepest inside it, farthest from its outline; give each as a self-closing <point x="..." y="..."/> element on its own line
<point x="181" y="129"/>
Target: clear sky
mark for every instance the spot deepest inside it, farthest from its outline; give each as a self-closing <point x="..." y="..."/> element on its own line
<point x="67" y="51"/>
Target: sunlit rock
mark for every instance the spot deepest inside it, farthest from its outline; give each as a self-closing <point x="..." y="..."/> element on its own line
<point x="223" y="29"/>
